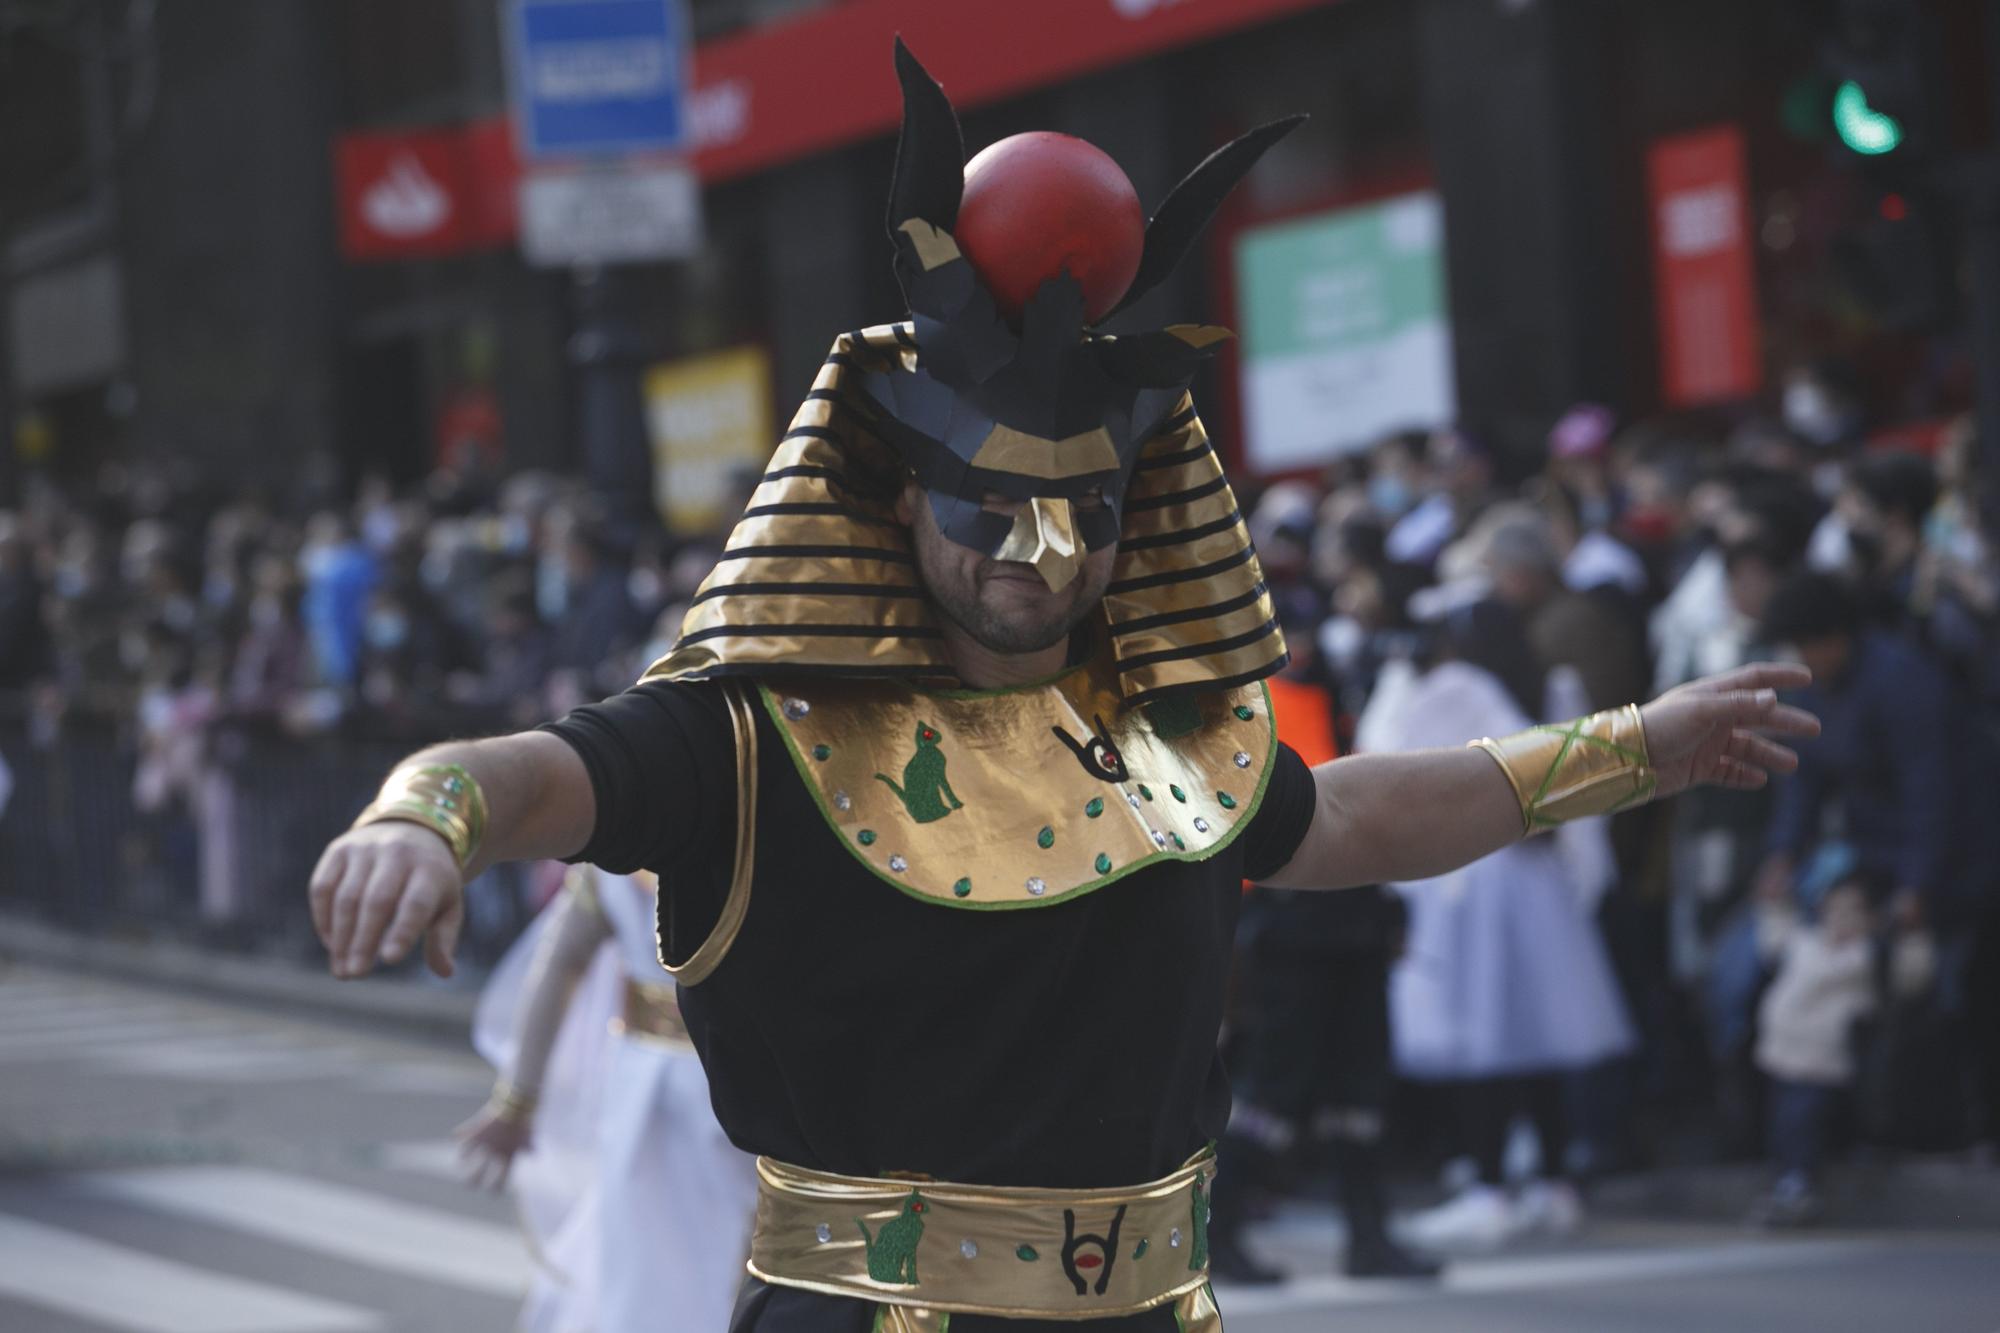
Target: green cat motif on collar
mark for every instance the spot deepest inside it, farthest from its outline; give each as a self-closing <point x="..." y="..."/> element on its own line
<point x="892" y="1252"/>
<point x="967" y="839"/>
<point x="924" y="790"/>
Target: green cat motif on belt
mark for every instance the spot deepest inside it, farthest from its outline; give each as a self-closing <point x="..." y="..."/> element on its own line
<point x="892" y="1252"/>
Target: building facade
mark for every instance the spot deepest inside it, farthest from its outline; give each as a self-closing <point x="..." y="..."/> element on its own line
<point x="1631" y="209"/>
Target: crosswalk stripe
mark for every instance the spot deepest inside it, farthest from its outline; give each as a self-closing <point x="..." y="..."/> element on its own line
<point x="37" y="992"/>
<point x="330" y="1219"/>
<point x="223" y="1066"/>
<point x="425" y="1157"/>
<point x="456" y="1080"/>
<point x="94" y="1280"/>
<point x="1537" y="1273"/>
<point x="210" y="1050"/>
<point x="222" y="1058"/>
<point x="69" y="1017"/>
<point x="123" y="1034"/>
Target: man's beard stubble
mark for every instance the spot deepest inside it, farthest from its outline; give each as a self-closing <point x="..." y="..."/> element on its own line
<point x="1014" y="634"/>
<point x="999" y="633"/>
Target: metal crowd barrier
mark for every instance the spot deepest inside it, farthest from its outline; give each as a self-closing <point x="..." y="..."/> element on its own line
<point x="223" y="865"/>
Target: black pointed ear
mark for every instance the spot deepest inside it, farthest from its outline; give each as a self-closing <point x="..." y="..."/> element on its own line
<point x="1188" y="206"/>
<point x="930" y="154"/>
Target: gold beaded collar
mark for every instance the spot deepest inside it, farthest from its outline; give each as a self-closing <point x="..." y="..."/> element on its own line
<point x="1024" y="797"/>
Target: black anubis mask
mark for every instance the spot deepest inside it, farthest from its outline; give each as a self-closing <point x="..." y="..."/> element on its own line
<point x="1054" y="413"/>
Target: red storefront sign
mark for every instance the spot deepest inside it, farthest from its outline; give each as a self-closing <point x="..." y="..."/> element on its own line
<point x="822" y="80"/>
<point x="425" y="192"/>
<point x="1704" y="268"/>
<point x="817" y="82"/>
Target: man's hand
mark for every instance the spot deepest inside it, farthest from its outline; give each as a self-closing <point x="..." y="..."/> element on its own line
<point x="377" y="889"/>
<point x="1708" y="731"/>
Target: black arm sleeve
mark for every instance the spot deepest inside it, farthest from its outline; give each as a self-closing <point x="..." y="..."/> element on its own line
<point x="662" y="763"/>
<point x="1281" y="822"/>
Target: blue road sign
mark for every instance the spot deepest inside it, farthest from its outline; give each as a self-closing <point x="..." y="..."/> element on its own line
<point x="596" y="78"/>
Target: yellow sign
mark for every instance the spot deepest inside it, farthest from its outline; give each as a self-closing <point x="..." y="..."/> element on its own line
<point x="34" y="438"/>
<point x="710" y="422"/>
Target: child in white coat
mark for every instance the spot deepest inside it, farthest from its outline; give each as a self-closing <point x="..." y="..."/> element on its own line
<point x="1805" y="1043"/>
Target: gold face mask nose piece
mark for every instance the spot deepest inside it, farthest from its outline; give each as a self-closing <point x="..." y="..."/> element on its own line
<point x="1044" y="535"/>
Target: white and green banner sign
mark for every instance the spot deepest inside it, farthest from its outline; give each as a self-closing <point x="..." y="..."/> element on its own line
<point x="1345" y="332"/>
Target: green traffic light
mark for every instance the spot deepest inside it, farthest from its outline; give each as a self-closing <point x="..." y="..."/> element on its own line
<point x="1860" y="126"/>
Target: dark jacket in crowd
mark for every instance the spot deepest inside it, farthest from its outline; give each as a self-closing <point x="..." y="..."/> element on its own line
<point x="24" y="641"/>
<point x="1882" y="762"/>
<point x="600" y="620"/>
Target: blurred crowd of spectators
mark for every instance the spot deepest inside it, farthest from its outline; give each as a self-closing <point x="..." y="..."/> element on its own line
<point x="197" y="685"/>
<point x="1638" y="555"/>
<point x="1819" y="959"/>
<point x="406" y="617"/>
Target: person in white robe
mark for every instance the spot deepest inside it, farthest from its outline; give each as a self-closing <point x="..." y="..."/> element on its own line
<point x="637" y="1206"/>
<point x="1505" y="983"/>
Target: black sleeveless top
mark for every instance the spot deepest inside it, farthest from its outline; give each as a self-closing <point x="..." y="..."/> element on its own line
<point x="855" y="1029"/>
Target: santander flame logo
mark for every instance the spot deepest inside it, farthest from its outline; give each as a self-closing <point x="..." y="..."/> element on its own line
<point x="405" y="202"/>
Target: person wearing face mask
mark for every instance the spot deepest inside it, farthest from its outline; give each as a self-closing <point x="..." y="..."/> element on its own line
<point x="402" y="665"/>
<point x="1396" y="475"/>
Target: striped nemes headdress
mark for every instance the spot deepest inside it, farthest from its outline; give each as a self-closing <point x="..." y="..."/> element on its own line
<point x="1095" y="434"/>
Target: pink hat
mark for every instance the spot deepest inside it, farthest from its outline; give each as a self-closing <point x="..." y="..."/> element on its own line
<point x="1584" y="432"/>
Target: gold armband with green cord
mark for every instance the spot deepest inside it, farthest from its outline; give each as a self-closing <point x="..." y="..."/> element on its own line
<point x="1593" y="766"/>
<point x="443" y="798"/>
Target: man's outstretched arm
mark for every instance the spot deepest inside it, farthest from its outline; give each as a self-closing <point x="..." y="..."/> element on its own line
<point x="381" y="887"/>
<point x="1388" y="818"/>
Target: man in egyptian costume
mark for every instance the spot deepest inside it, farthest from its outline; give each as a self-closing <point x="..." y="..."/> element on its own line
<point x="951" y="781"/>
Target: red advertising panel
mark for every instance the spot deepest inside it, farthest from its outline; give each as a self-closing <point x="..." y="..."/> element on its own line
<point x="426" y="192"/>
<point x="815" y="82"/>
<point x="1703" y="267"/>
<point x="493" y="181"/>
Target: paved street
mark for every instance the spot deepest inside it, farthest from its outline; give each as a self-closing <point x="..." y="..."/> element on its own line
<point x="186" y="1166"/>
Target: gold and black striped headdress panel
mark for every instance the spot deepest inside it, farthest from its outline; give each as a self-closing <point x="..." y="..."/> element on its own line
<point x="818" y="579"/>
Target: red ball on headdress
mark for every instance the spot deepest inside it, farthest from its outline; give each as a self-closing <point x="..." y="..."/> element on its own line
<point x="1037" y="204"/>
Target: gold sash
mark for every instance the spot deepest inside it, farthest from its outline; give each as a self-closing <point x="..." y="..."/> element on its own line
<point x="925" y="1250"/>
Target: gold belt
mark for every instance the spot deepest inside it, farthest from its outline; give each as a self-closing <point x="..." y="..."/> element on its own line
<point x="652" y="1012"/>
<point x="926" y="1249"/>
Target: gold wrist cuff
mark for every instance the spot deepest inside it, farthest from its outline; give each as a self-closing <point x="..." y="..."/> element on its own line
<point x="1592" y="766"/>
<point x="443" y="798"/>
<point x="514" y="1105"/>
